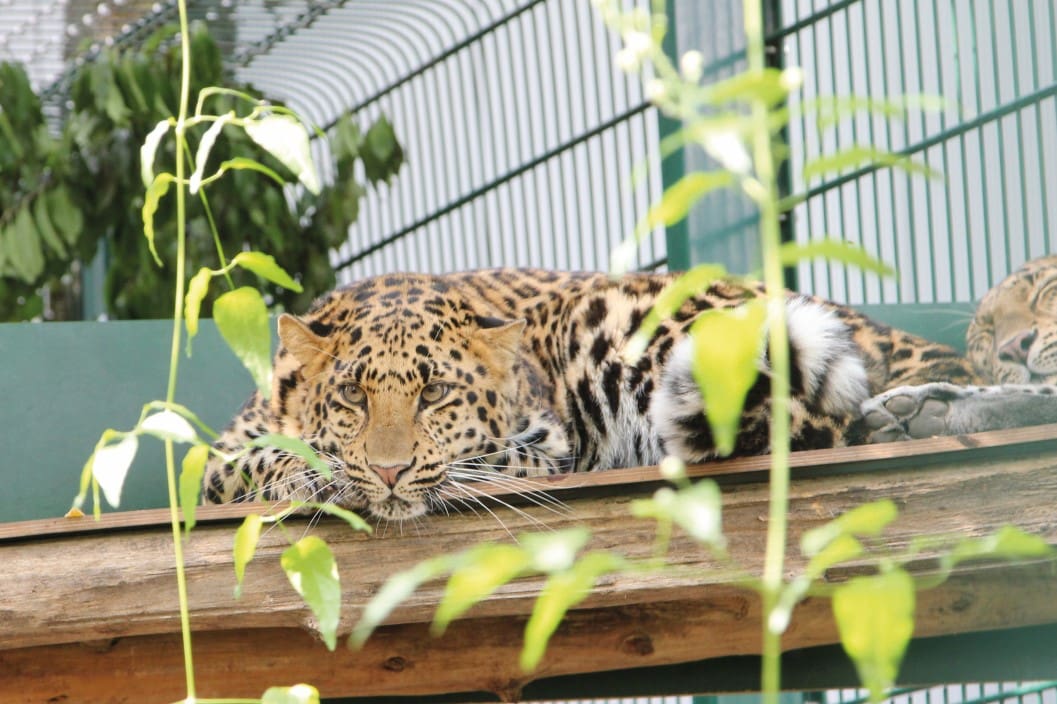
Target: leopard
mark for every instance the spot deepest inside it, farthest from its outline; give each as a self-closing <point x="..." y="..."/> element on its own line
<point x="1011" y="343"/>
<point x="413" y="388"/>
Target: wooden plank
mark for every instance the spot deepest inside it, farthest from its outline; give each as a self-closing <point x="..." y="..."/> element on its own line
<point x="1013" y="442"/>
<point x="115" y="591"/>
<point x="481" y="654"/>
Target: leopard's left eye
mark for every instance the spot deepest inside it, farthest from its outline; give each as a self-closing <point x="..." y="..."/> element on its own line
<point x="432" y="393"/>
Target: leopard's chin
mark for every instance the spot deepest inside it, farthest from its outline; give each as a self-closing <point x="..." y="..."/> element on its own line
<point x="396" y="509"/>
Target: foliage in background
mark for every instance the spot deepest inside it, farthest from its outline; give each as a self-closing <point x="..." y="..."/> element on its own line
<point x="64" y="192"/>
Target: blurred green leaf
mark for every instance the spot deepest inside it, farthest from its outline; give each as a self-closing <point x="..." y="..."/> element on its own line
<point x="875" y="617"/>
<point x="192" y="469"/>
<point x="1008" y="542"/>
<point x="689" y="284"/>
<point x="868" y="519"/>
<point x="46" y="229"/>
<point x="309" y="565"/>
<point x="792" y="253"/>
<point x="554" y="550"/>
<point x="480" y="572"/>
<point x="24" y="247"/>
<point x="298" y="694"/>
<point x="205" y="146"/>
<point x="246" y="538"/>
<point x="285" y="138"/>
<point x="264" y="266"/>
<point x="727" y="343"/>
<point x="395" y="590"/>
<point x="381" y="154"/>
<point x="697" y="509"/>
<point x="296" y="446"/>
<point x="242" y="319"/>
<point x="167" y="425"/>
<point x="66" y="216"/>
<point x="863" y="156"/>
<point x="680" y="197"/>
<point x="349" y="517"/>
<point x="561" y="592"/>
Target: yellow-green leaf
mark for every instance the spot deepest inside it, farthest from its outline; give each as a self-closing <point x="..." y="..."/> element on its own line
<point x="555" y="550"/>
<point x="792" y="253"/>
<point x="24" y="247"/>
<point x="867" y="519"/>
<point x="395" y="590"/>
<point x="264" y="266"/>
<point x="196" y="293"/>
<point x="875" y="617"/>
<point x="155" y="192"/>
<point x="562" y="591"/>
<point x="1008" y="542"/>
<point x="349" y="517"/>
<point x="191" y="470"/>
<point x="676" y="202"/>
<point x="285" y="138"/>
<point x="727" y="344"/>
<point x="296" y="446"/>
<point x="244" y="163"/>
<point x="687" y="285"/>
<point x="298" y="694"/>
<point x="309" y="565"/>
<point x="864" y="156"/>
<point x="484" y="568"/>
<point x="242" y="318"/>
<point x="246" y="539"/>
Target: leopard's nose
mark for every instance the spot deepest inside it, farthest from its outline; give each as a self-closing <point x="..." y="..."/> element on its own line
<point x="389" y="473"/>
<point x="1017" y="348"/>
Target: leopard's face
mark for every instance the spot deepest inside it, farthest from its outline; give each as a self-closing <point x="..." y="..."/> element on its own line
<point x="400" y="397"/>
<point x="1013" y="337"/>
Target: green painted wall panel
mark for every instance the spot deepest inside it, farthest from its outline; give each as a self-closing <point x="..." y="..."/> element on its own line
<point x="64" y="383"/>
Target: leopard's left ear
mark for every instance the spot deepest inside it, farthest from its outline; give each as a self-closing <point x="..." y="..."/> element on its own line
<point x="499" y="339"/>
<point x="297" y="337"/>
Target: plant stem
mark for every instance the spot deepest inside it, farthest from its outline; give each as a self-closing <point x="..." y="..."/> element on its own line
<point x="778" y="346"/>
<point x="174" y="358"/>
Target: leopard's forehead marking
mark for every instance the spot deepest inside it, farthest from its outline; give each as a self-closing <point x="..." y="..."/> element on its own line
<point x="389" y="332"/>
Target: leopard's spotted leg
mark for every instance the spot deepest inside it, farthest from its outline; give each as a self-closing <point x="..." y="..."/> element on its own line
<point x="927" y="410"/>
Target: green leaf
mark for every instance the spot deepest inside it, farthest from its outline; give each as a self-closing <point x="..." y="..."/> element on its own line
<point x="561" y="592"/>
<point x="868" y="519"/>
<point x="110" y="466"/>
<point x="205" y="145"/>
<point x="864" y="156"/>
<point x="381" y="154"/>
<point x="148" y="150"/>
<point x="24" y="247"/>
<point x="1008" y="542"/>
<point x="875" y="617"/>
<point x="155" y="192"/>
<point x="680" y="197"/>
<point x="697" y="509"/>
<point x="46" y="229"/>
<point x="298" y="694"/>
<point x="196" y="293"/>
<point x="727" y="343"/>
<point x="309" y="565"/>
<point x="298" y="447"/>
<point x="66" y="216"/>
<point x="191" y="470"/>
<point x="246" y="538"/>
<point x="264" y="266"/>
<point x="792" y="253"/>
<point x="556" y="550"/>
<point x="285" y="138"/>
<point x="768" y="85"/>
<point x="168" y="425"/>
<point x="395" y="590"/>
<point x="241" y="163"/>
<point x="686" y="286"/>
<point x="842" y="548"/>
<point x="346" y="515"/>
<point x="242" y="319"/>
<point x="482" y="570"/>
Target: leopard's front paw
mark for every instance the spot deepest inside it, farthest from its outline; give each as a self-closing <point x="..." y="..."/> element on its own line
<point x="910" y="412"/>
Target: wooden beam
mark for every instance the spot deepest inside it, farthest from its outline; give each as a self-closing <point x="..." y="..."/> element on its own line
<point x="116" y="591"/>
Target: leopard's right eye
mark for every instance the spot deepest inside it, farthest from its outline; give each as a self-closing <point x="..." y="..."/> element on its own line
<point x="353" y="394"/>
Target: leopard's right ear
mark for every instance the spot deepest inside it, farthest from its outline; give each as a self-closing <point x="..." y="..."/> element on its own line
<point x="299" y="340"/>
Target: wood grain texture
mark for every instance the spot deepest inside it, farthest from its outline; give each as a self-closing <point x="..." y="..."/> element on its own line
<point x="115" y="590"/>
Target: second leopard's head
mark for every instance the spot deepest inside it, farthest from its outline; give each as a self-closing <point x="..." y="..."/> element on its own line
<point x="401" y="389"/>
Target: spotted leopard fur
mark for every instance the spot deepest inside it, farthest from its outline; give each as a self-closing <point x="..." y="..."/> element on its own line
<point x="407" y="384"/>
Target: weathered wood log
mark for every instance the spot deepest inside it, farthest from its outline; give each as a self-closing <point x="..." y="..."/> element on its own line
<point x="91" y="614"/>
